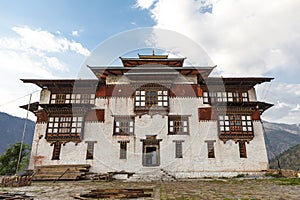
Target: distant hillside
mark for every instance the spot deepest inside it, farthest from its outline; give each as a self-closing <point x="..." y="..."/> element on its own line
<point x="280" y="137"/>
<point x="290" y="159"/>
<point x="11" y="129"/>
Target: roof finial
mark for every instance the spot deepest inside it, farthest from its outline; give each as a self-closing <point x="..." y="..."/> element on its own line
<point x="153" y="54"/>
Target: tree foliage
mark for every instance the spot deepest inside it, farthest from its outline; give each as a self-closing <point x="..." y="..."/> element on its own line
<point x="290" y="159"/>
<point x="9" y="159"/>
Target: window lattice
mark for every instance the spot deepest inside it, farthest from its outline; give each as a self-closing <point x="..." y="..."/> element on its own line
<point x="72" y="98"/>
<point x="124" y="126"/>
<point x="211" y="97"/>
<point x="151" y="97"/>
<point x="235" y="123"/>
<point x="64" y="125"/>
<point x="178" y="125"/>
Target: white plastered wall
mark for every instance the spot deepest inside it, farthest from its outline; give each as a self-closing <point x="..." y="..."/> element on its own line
<point x="194" y="163"/>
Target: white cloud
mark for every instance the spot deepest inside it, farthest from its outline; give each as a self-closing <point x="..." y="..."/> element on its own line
<point x="286" y="100"/>
<point x="75" y="33"/>
<point x="54" y="63"/>
<point x="34" y="54"/>
<point x="144" y="4"/>
<point x="297" y="108"/>
<point x="244" y="38"/>
<point x="40" y="40"/>
<point x="240" y="36"/>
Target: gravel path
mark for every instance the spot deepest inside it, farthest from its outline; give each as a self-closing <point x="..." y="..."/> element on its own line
<point x="225" y="189"/>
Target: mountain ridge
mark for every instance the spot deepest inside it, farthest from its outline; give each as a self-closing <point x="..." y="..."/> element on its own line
<point x="11" y="130"/>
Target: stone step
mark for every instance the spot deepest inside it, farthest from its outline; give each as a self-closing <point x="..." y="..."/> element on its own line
<point x="154" y="175"/>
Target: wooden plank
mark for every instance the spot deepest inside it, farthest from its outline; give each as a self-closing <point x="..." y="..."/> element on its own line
<point x="119" y="193"/>
<point x="61" y="172"/>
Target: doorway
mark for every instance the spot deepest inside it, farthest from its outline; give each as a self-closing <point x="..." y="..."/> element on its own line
<point x="151" y="156"/>
<point x="151" y="151"/>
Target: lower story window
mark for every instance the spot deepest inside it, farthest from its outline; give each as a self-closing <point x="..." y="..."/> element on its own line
<point x="210" y="148"/>
<point x="56" y="151"/>
<point x="123" y="149"/>
<point x="90" y="150"/>
<point x="178" y="148"/>
<point x="242" y="149"/>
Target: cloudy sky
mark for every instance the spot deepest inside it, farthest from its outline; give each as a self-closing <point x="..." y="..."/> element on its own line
<point x="52" y="38"/>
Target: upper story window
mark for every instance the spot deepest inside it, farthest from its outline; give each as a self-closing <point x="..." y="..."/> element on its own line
<point x="150" y="96"/>
<point x="72" y="98"/>
<point x="235" y="123"/>
<point x="64" y="128"/>
<point x="211" y="97"/>
<point x="124" y="125"/>
<point x="178" y="125"/>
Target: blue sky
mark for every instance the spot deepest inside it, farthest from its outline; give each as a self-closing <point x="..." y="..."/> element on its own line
<point x="52" y="38"/>
<point x="95" y="20"/>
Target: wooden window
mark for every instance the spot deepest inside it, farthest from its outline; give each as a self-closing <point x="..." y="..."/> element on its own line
<point x="123" y="149"/>
<point x="90" y="150"/>
<point x="235" y="123"/>
<point x="210" y="148"/>
<point x="56" y="151"/>
<point x="58" y="98"/>
<point x="124" y="125"/>
<point x="65" y="128"/>
<point x="245" y="97"/>
<point x="152" y="96"/>
<point x="178" y="148"/>
<point x="178" y="125"/>
<point x="205" y="97"/>
<point x="72" y="98"/>
<point x="228" y="96"/>
<point x="242" y="149"/>
<point x="64" y="125"/>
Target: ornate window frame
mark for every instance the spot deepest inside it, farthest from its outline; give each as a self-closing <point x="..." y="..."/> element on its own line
<point x="123" y="125"/>
<point x="66" y="98"/>
<point x="235" y="123"/>
<point x="236" y="126"/>
<point x="178" y="125"/>
<point x="225" y="96"/>
<point x="152" y="97"/>
<point x="64" y="125"/>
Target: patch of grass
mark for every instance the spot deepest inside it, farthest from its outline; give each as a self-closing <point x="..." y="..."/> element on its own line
<point x="289" y="181"/>
<point x="240" y="176"/>
<point x="223" y="177"/>
<point x="273" y="175"/>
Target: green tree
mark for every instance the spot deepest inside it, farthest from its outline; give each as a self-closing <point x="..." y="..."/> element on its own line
<point x="9" y="159"/>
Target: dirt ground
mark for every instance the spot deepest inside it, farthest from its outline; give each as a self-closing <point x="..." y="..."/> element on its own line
<point x="225" y="189"/>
